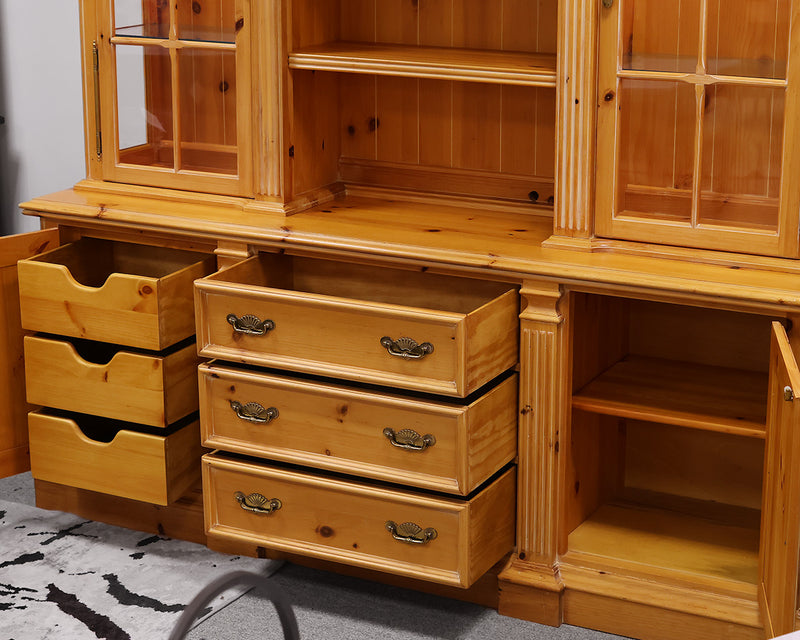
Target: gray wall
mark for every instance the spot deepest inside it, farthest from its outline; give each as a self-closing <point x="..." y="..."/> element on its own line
<point x="41" y="140"/>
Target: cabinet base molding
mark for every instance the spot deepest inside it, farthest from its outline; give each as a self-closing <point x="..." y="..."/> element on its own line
<point x="183" y="519"/>
<point x="484" y="592"/>
<point x="14" y="461"/>
<point x="531" y="592"/>
<point x="652" y="608"/>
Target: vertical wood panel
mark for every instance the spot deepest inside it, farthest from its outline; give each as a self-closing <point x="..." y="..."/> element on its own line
<point x="436" y="23"/>
<point x="396" y="21"/>
<point x="476" y="128"/>
<point x="358" y="116"/>
<point x="398" y="119"/>
<point x="519" y="133"/>
<point x="435" y="124"/>
<point x="477" y="24"/>
<point x="357" y="19"/>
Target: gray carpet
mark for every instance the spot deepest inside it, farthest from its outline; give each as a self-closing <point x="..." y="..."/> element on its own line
<point x="333" y="607"/>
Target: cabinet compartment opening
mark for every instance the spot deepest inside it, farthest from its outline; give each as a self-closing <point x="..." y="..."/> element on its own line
<point x="437" y="117"/>
<point x="666" y="449"/>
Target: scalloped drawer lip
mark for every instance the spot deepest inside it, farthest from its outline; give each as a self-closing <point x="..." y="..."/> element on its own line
<point x="140" y="466"/>
<point x="346" y="521"/>
<point x="330" y="317"/>
<point x="133" y="295"/>
<point x="340" y="428"/>
<point x="154" y="389"/>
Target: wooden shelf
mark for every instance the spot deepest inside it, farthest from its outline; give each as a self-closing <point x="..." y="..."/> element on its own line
<point x="672" y="534"/>
<point x="680" y="393"/>
<point x="468" y="65"/>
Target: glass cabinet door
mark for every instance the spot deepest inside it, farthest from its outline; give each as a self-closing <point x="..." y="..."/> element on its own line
<point x="696" y="141"/>
<point x="175" y="94"/>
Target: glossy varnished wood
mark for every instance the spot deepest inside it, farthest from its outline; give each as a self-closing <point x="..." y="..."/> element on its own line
<point x="340" y="428"/>
<point x="344" y="520"/>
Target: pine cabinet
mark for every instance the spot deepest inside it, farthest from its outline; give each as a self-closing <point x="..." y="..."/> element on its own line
<point x="555" y="241"/>
<point x="696" y="136"/>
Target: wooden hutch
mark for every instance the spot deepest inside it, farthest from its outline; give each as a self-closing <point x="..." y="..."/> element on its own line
<point x="496" y="298"/>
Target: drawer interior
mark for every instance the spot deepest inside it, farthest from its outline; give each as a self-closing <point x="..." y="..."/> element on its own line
<point x="410" y="288"/>
<point x="91" y="261"/>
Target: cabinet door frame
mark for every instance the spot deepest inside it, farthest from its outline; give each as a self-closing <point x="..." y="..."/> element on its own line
<point x="612" y="223"/>
<point x="103" y="84"/>
<point x="779" y="551"/>
<point x="14" y="456"/>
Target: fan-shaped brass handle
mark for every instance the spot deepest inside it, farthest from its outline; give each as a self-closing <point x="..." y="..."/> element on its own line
<point x="254" y="412"/>
<point x="410" y="532"/>
<point x="257" y="503"/>
<point x="406" y="348"/>
<point x="250" y="324"/>
<point x="409" y="439"/>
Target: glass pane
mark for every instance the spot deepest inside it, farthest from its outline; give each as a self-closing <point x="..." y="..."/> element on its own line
<point x="208" y="110"/>
<point x="742" y="149"/>
<point x="660" y="36"/>
<point x="141" y="18"/>
<point x="207" y="20"/>
<point x="748" y="38"/>
<point x="144" y="98"/>
<point x="656" y="153"/>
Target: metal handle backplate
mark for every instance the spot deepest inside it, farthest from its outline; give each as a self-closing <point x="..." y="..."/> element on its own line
<point x="410" y="532"/>
<point x="257" y="503"/>
<point x="254" y="412"/>
<point x="406" y="348"/>
<point x="250" y="324"/>
<point x="409" y="439"/>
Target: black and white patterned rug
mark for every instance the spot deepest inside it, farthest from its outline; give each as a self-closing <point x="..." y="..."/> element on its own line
<point x="65" y="577"/>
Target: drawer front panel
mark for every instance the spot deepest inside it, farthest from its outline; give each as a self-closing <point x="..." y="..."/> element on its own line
<point x="139" y="466"/>
<point x="347" y="521"/>
<point x="147" y="389"/>
<point x="69" y="292"/>
<point x="342" y="429"/>
<point x="335" y="339"/>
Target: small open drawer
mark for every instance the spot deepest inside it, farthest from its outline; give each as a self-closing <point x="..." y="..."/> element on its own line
<point x="445" y="445"/>
<point x="151" y="468"/>
<point x="430" y="537"/>
<point x="409" y="329"/>
<point x="151" y="388"/>
<point x="129" y="294"/>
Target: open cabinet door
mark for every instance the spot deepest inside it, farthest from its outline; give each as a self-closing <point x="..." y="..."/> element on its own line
<point x="780" y="520"/>
<point x="14" y="457"/>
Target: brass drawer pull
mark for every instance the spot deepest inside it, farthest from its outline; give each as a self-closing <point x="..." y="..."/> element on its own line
<point x="250" y="325"/>
<point x="257" y="503"/>
<point x="406" y="348"/>
<point x="410" y="532"/>
<point x="409" y="439"/>
<point x="254" y="412"/>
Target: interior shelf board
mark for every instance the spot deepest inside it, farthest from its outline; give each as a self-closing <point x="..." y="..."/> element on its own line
<point x="680" y="393"/>
<point x="660" y="538"/>
<point x="470" y="65"/>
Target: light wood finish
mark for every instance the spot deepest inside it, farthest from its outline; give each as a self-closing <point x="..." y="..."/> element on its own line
<point x="345" y="520"/>
<point x="151" y="389"/>
<point x="139" y="466"/>
<point x="340" y="428"/>
<point x="680" y="393"/>
<point x="114" y="292"/>
<point x="429" y="62"/>
<point x="779" y="558"/>
<point x="14" y="457"/>
<point x="330" y="319"/>
<point x="182" y="520"/>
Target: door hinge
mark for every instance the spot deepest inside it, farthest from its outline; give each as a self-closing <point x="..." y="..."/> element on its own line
<point x="98" y="136"/>
<point x="788" y="393"/>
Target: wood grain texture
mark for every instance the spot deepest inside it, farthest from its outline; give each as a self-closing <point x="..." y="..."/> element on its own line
<point x="340" y="428"/>
<point x="345" y="521"/>
<point x="149" y="389"/>
<point x="133" y="465"/>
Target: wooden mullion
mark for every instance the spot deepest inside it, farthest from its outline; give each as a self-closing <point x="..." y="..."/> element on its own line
<point x="697" y="184"/>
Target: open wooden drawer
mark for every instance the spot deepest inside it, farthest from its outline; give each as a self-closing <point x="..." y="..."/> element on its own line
<point x="430" y="537"/>
<point x="444" y="445"/>
<point x="114" y="459"/>
<point x="150" y="388"/>
<point x="129" y="294"/>
<point x="409" y="329"/>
